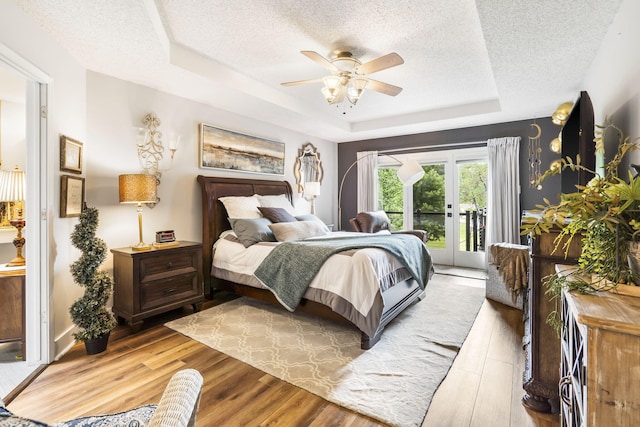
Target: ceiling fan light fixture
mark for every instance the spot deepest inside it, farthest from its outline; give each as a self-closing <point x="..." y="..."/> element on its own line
<point x="328" y="94"/>
<point x="347" y="76"/>
<point x="355" y="89"/>
<point x="332" y="83"/>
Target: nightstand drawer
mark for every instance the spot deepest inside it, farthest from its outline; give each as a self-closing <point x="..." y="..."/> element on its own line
<point x="165" y="291"/>
<point x="168" y="263"/>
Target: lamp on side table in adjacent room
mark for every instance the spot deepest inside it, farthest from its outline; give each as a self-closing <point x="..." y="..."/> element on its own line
<point x="12" y="189"/>
<point x="138" y="188"/>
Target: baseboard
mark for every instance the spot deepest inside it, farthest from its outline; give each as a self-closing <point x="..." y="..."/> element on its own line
<point x="64" y="342"/>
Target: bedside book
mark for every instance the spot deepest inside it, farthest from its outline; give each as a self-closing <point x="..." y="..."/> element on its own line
<point x="173" y="244"/>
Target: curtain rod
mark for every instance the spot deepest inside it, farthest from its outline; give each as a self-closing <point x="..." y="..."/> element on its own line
<point x="431" y="147"/>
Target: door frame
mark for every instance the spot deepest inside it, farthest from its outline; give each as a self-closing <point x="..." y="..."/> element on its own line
<point x="39" y="322"/>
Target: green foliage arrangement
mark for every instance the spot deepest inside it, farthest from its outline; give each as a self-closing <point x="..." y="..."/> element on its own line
<point x="89" y="312"/>
<point x="604" y="213"/>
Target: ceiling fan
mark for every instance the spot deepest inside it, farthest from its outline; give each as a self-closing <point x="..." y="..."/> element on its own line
<point x="349" y="76"/>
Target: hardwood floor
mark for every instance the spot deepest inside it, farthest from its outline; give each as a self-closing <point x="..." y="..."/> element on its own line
<point x="483" y="388"/>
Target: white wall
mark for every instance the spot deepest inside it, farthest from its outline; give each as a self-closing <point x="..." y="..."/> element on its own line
<point x="116" y="107"/>
<point x="614" y="76"/>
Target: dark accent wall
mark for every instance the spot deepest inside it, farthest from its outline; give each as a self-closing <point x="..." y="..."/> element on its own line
<point x="529" y="196"/>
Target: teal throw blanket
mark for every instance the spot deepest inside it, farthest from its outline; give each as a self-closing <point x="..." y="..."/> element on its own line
<point x="289" y="269"/>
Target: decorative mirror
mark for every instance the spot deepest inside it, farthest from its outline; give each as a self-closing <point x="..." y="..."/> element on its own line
<point x="308" y="170"/>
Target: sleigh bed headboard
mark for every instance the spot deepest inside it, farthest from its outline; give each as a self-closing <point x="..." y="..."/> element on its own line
<point x="214" y="215"/>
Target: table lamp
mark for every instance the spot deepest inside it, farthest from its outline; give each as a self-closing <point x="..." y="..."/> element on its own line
<point x="12" y="189"/>
<point x="138" y="188"/>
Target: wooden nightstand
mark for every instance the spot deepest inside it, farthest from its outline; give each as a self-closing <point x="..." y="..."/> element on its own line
<point x="156" y="281"/>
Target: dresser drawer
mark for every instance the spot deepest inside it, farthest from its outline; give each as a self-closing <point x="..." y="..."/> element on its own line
<point x="165" y="291"/>
<point x="152" y="268"/>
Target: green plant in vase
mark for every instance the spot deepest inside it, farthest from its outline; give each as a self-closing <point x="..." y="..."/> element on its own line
<point x="605" y="213"/>
<point x="89" y="312"/>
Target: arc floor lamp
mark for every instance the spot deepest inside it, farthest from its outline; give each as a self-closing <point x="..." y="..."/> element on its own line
<point x="409" y="173"/>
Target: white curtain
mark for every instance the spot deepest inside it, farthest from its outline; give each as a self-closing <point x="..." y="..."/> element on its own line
<point x="367" y="180"/>
<point x="503" y="210"/>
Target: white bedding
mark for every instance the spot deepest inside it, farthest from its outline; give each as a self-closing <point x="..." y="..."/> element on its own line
<point x="357" y="276"/>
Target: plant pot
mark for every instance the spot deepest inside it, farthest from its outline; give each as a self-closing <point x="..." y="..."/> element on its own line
<point x="97" y="345"/>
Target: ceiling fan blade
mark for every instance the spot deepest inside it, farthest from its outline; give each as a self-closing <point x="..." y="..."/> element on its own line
<point x="381" y="87"/>
<point x="315" y="56"/>
<point x="301" y="82"/>
<point x="382" y="63"/>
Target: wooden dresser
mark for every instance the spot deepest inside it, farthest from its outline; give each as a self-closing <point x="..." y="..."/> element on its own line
<point x="541" y="342"/>
<point x="12" y="309"/>
<point x="148" y="283"/>
<point x="600" y="360"/>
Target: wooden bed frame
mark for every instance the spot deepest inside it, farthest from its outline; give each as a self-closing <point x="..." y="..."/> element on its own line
<point x="215" y="221"/>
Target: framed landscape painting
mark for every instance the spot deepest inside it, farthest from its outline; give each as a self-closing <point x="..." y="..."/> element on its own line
<point x="225" y="149"/>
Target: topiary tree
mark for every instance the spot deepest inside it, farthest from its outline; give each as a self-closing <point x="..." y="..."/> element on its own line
<point x="89" y="312"/>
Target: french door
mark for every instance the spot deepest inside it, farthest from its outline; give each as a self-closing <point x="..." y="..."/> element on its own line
<point x="450" y="203"/>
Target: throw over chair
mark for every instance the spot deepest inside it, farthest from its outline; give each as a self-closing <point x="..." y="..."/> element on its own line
<point x="375" y="221"/>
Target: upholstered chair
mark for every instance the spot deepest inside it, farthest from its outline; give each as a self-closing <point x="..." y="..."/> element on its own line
<point x="375" y="221"/>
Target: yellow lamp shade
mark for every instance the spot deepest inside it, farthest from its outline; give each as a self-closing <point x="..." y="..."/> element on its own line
<point x="137" y="188"/>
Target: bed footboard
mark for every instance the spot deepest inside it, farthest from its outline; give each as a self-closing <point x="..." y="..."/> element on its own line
<point x="397" y="298"/>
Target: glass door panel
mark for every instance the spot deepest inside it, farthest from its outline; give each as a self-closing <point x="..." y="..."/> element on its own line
<point x="449" y="202"/>
<point x="470" y="212"/>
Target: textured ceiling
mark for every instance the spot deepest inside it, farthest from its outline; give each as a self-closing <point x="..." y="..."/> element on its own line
<point x="465" y="63"/>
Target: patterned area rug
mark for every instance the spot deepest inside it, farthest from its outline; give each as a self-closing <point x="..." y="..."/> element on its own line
<point x="393" y="382"/>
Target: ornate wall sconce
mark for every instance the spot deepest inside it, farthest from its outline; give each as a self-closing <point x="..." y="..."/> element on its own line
<point x="151" y="149"/>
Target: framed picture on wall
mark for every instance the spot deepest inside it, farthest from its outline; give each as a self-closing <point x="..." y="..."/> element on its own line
<point x="225" y="149"/>
<point x="70" y="155"/>
<point x="71" y="195"/>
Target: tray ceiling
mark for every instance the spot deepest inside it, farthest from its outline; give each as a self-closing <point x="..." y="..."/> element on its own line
<point x="466" y="63"/>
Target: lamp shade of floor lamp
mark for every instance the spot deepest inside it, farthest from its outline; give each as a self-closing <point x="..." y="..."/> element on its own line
<point x="138" y="189"/>
<point x="311" y="191"/>
<point x="12" y="189"/>
<point x="408" y="173"/>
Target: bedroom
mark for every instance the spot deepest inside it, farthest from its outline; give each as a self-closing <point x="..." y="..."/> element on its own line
<point x="99" y="110"/>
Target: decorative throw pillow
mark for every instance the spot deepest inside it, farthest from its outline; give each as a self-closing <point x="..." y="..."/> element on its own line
<point x="290" y="231"/>
<point x="279" y="201"/>
<point x="241" y="207"/>
<point x="312" y="217"/>
<point x="250" y="231"/>
<point x="277" y="214"/>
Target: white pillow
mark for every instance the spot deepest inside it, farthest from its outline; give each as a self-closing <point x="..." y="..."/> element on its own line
<point x="241" y="207"/>
<point x="311" y="217"/>
<point x="290" y="231"/>
<point x="279" y="201"/>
